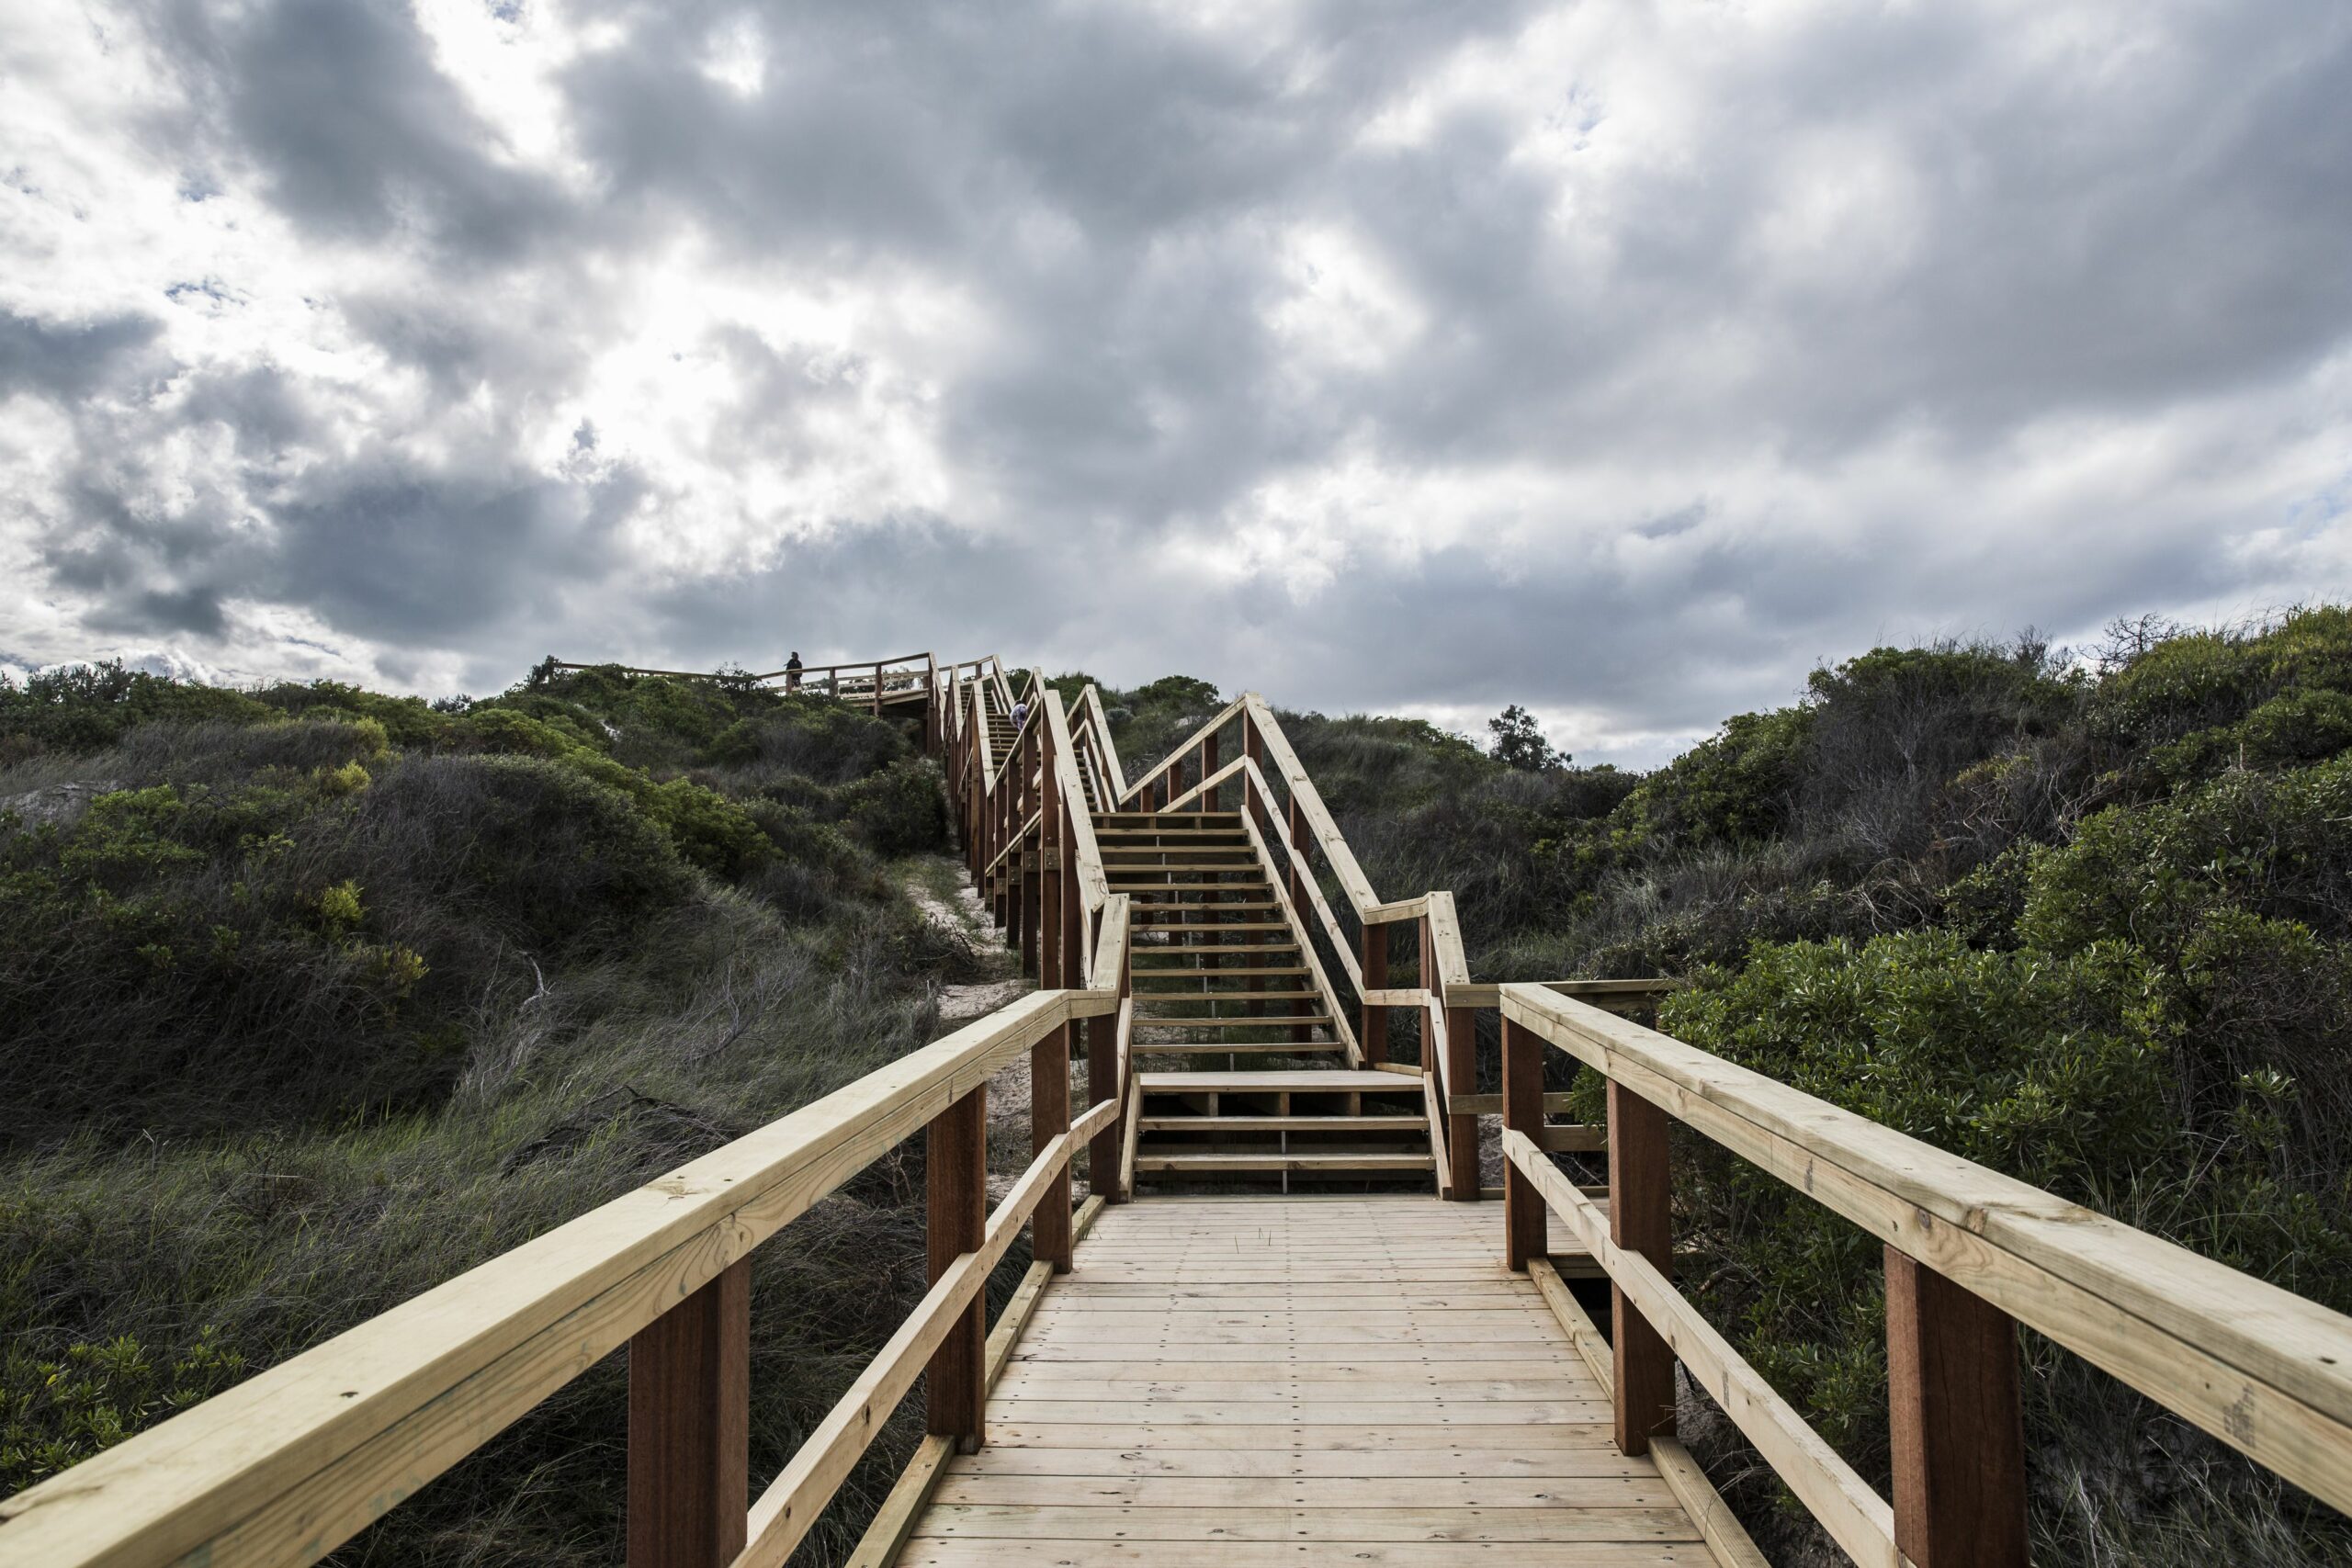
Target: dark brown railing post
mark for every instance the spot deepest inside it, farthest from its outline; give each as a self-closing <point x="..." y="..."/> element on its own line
<point x="1052" y="849"/>
<point x="1957" y="1424"/>
<point x="1208" y="770"/>
<point x="1640" y="1220"/>
<point x="1049" y="1237"/>
<point x="1374" y="958"/>
<point x="1461" y="1077"/>
<point x="689" y="1428"/>
<point x="1526" y="1227"/>
<point x="955" y="1157"/>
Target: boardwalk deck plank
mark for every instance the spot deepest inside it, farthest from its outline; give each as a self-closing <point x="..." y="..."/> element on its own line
<point x="1223" y="1387"/>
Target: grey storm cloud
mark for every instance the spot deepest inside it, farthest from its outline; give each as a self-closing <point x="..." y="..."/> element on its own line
<point x="1615" y="361"/>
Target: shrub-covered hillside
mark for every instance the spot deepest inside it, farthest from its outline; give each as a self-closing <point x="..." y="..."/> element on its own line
<point x="314" y="997"/>
<point x="2086" y="920"/>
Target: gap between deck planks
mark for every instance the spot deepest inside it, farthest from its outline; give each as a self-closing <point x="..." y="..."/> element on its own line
<point x="1230" y="1383"/>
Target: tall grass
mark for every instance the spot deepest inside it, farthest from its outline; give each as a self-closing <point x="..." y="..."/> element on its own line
<point x="316" y="999"/>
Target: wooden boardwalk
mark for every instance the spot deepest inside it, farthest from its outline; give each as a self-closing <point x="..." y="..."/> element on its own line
<point x="1230" y="1382"/>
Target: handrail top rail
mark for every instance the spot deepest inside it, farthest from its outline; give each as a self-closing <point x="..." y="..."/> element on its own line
<point x="805" y="671"/>
<point x="2264" y="1370"/>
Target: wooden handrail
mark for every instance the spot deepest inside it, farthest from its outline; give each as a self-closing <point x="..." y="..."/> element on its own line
<point x="805" y="671"/>
<point x="2261" y="1369"/>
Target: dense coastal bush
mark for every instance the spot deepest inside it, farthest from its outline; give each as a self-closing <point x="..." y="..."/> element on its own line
<point x="315" y="997"/>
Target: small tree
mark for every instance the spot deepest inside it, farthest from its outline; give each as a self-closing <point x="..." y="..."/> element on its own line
<point x="1520" y="744"/>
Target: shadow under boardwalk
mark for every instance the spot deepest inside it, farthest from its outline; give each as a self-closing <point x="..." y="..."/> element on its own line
<point x="1223" y="1382"/>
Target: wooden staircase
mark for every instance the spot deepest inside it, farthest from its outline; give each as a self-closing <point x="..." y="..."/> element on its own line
<point x="1219" y="973"/>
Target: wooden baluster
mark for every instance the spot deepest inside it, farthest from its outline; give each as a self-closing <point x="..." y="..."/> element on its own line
<point x="1526" y="1225"/>
<point x="1050" y="956"/>
<point x="877" y="691"/>
<point x="1462" y="1077"/>
<point x="1032" y="894"/>
<point x="1958" y="1427"/>
<point x="1208" y="767"/>
<point x="1102" y="1082"/>
<point x="955" y="1158"/>
<point x="1298" y="873"/>
<point x="1374" y="959"/>
<point x="1075" y="946"/>
<point x="1049" y="1235"/>
<point x="689" y="1428"/>
<point x="1640" y="1220"/>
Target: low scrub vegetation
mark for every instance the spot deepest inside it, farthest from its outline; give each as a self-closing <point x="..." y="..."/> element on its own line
<point x="2085" y="919"/>
<point x="315" y="997"/>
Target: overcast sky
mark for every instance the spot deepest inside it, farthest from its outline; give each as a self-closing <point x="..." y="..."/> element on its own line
<point x="1619" y="359"/>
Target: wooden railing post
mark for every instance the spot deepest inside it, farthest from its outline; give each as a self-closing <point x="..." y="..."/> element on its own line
<point x="689" y="1428"/>
<point x="1208" y="770"/>
<point x="1103" y="1083"/>
<point x="1640" y="1220"/>
<point x="1049" y="1237"/>
<point x="1076" y="940"/>
<point x="1052" y="850"/>
<point x="1373" y="1036"/>
<point x="1525" y="1225"/>
<point x="955" y="1157"/>
<point x="1462" y="1077"/>
<point x="1957" y="1423"/>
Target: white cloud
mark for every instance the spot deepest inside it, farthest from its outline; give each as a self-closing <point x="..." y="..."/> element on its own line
<point x="1614" y="359"/>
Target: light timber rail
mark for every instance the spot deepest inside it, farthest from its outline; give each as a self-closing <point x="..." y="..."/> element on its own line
<point x="1283" y="1326"/>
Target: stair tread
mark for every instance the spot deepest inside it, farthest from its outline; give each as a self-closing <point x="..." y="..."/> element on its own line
<point x="1405" y="1123"/>
<point x="1176" y="949"/>
<point x="1235" y="1020"/>
<point x="1213" y="972"/>
<point x="1367" y="1161"/>
<point x="1235" y="1047"/>
<point x="1224" y="996"/>
<point x="1312" y="1081"/>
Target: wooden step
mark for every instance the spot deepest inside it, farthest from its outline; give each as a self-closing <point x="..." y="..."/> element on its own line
<point x="1214" y="997"/>
<point x="1151" y="925"/>
<point x="1171" y="1163"/>
<point x="1220" y="1025"/>
<point x="1205" y="907"/>
<point x="1188" y="949"/>
<point x="1212" y="973"/>
<point x="1414" y="1125"/>
<point x="1296" y="1081"/>
<point x="1191" y="835"/>
<point x="1235" y="1047"/>
<point x="1171" y="821"/>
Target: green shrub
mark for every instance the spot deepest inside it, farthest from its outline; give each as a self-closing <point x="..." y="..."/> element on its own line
<point x="1742" y="786"/>
<point x="80" y="708"/>
<point x="827" y="741"/>
<point x="900" y="810"/>
<point x="55" y="1412"/>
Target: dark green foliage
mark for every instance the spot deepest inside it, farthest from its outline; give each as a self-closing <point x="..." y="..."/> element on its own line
<point x="317" y="997"/>
<point x="406" y="721"/>
<point x="55" y="1413"/>
<point x="82" y="706"/>
<point x="827" y="741"/>
<point x="1519" y="742"/>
